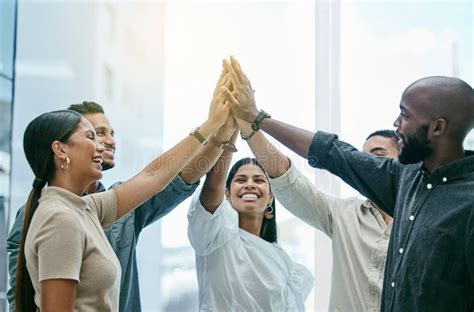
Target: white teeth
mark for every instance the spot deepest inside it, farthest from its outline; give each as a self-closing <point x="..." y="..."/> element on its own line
<point x="249" y="196"/>
<point x="97" y="160"/>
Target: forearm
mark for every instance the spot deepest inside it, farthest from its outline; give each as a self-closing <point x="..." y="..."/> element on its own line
<point x="296" y="139"/>
<point x="269" y="157"/>
<point x="200" y="164"/>
<point x="156" y="176"/>
<point x="214" y="186"/>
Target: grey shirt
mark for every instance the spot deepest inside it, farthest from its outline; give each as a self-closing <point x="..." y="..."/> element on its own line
<point x="430" y="259"/>
<point x="123" y="237"/>
<point x="359" y="239"/>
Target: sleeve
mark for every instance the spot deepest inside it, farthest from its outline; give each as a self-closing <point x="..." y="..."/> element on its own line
<point x="13" y="248"/>
<point x="59" y="245"/>
<point x="208" y="232"/>
<point x="301" y="283"/>
<point x="375" y="177"/>
<point x="163" y="202"/>
<point x="299" y="196"/>
<point x="469" y="255"/>
<point x="104" y="204"/>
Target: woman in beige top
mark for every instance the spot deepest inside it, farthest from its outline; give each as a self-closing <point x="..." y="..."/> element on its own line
<point x="69" y="264"/>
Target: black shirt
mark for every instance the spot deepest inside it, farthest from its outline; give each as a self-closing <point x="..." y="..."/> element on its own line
<point x="430" y="259"/>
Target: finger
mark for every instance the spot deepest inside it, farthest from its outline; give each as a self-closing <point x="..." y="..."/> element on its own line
<point x="233" y="74"/>
<point x="228" y="84"/>
<point x="231" y="100"/>
<point x="237" y="69"/>
<point x="243" y="76"/>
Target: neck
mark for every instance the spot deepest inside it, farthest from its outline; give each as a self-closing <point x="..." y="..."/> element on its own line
<point x="69" y="185"/>
<point x="93" y="187"/>
<point x="251" y="224"/>
<point x="445" y="156"/>
<point x="65" y="181"/>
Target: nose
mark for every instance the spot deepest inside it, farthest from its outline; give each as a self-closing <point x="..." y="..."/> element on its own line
<point x="249" y="184"/>
<point x="396" y="123"/>
<point x="99" y="147"/>
<point x="108" y="141"/>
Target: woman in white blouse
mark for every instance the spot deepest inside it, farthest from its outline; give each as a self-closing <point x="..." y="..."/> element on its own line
<point x="232" y="228"/>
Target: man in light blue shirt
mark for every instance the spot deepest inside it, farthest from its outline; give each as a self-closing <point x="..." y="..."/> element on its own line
<point x="123" y="235"/>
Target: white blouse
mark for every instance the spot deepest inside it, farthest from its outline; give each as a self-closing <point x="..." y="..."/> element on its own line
<point x="239" y="271"/>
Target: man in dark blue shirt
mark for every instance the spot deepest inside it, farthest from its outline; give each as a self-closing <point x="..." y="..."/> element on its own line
<point x="429" y="190"/>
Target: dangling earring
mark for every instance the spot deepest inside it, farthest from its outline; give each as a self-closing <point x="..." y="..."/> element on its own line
<point x="65" y="163"/>
<point x="269" y="208"/>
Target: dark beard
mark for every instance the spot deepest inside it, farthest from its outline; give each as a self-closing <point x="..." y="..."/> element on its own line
<point x="416" y="148"/>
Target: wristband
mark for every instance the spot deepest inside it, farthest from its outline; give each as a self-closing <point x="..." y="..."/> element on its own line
<point x="195" y="133"/>
<point x="226" y="146"/>
<point x="256" y="123"/>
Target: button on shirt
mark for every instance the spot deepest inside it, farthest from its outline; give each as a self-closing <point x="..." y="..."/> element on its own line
<point x="430" y="260"/>
<point x="359" y="239"/>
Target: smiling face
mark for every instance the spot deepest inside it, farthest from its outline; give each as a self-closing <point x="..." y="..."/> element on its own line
<point x="249" y="190"/>
<point x="413" y="126"/>
<point x="85" y="153"/>
<point x="105" y="136"/>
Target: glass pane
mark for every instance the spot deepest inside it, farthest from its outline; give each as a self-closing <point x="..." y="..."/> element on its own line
<point x="5" y="134"/>
<point x="7" y="33"/>
<point x="388" y="45"/>
<point x="274" y="43"/>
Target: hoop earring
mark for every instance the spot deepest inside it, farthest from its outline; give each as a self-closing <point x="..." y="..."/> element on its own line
<point x="269" y="209"/>
<point x="65" y="163"/>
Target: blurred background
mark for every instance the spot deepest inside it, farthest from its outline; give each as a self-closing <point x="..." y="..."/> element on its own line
<point x="338" y="66"/>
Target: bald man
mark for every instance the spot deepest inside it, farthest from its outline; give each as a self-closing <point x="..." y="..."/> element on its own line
<point x="429" y="191"/>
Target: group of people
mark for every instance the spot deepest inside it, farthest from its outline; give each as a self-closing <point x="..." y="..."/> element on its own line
<point x="408" y="247"/>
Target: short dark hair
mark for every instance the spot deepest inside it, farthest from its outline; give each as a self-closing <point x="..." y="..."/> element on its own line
<point x="87" y="108"/>
<point x="269" y="227"/>
<point x="386" y="134"/>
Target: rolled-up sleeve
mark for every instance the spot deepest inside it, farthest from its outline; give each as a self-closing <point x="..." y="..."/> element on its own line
<point x="375" y="177"/>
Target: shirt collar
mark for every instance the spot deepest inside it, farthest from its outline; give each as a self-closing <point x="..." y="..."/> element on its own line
<point x="70" y="197"/>
<point x="452" y="170"/>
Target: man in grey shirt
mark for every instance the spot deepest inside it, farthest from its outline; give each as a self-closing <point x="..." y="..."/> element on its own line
<point x="123" y="235"/>
<point x="359" y="230"/>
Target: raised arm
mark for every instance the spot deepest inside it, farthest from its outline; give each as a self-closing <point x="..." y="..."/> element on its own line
<point x="243" y="106"/>
<point x="163" y="169"/>
<point x="207" y="156"/>
<point x="269" y="157"/>
<point x="375" y="177"/>
<point x="214" y="186"/>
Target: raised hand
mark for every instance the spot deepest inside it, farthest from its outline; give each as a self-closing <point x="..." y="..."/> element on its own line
<point x="241" y="98"/>
<point x="219" y="109"/>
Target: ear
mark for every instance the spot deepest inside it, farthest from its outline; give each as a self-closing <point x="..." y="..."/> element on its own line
<point x="270" y="198"/>
<point x="227" y="194"/>
<point x="59" y="149"/>
<point x="439" y="127"/>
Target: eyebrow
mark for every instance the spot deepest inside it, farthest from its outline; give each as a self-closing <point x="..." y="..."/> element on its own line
<point x="244" y="176"/>
<point x="378" y="148"/>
